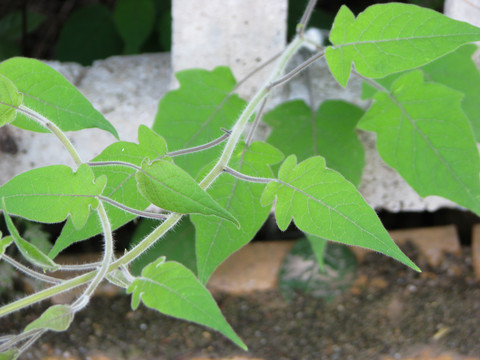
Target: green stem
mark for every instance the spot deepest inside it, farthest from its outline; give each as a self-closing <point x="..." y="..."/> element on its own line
<point x="55" y="130"/>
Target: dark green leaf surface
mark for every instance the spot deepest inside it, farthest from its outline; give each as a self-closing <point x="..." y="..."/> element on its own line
<point x="55" y="318"/>
<point x="329" y="132"/>
<point x="30" y="252"/>
<point x="134" y="20"/>
<point x="50" y="94"/>
<point x="195" y="113"/>
<point x="217" y="239"/>
<point x="325" y="204"/>
<point x="388" y="38"/>
<point x="53" y="193"/>
<point x="173" y="290"/>
<point x="89" y="34"/>
<point x="423" y="133"/>
<point x="9" y="96"/>
<point x="169" y="187"/>
<point x="121" y="185"/>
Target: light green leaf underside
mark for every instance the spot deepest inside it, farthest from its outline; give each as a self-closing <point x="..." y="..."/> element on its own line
<point x="423" y="133"/>
<point x="9" y="96"/>
<point x="329" y="132"/>
<point x="195" y="113"/>
<point x="217" y="239"/>
<point x="50" y="194"/>
<point x="325" y="204"/>
<point x="177" y="245"/>
<point x="121" y="185"/>
<point x="55" y="318"/>
<point x="173" y="290"/>
<point x="29" y="251"/>
<point x="169" y="187"/>
<point x="134" y="20"/>
<point x="388" y="38"/>
<point x="9" y="355"/>
<point x="50" y="94"/>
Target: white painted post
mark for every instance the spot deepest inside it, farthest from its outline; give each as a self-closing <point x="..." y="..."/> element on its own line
<point x="241" y="34"/>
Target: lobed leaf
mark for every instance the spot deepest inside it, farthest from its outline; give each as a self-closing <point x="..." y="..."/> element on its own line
<point x="423" y="133"/>
<point x="329" y="131"/>
<point x="56" y="318"/>
<point x="174" y="290"/>
<point x="325" y="204"/>
<point x="10" y="98"/>
<point x="29" y="251"/>
<point x="217" y="239"/>
<point x="169" y="187"/>
<point x="50" y="94"/>
<point x="195" y="113"/>
<point x="121" y="186"/>
<point x="53" y="193"/>
<point x="388" y="38"/>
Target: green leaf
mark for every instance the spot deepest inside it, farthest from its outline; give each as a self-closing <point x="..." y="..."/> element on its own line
<point x="318" y="246"/>
<point x="11" y="24"/>
<point x="195" y="113"/>
<point x="134" y="20"/>
<point x="423" y="133"/>
<point x="30" y="252"/>
<point x="56" y="318"/>
<point x="50" y="94"/>
<point x="177" y="245"/>
<point x="325" y="204"/>
<point x="121" y="186"/>
<point x="89" y="34"/>
<point x="9" y="96"/>
<point x="169" y="187"/>
<point x="330" y="132"/>
<point x="388" y="38"/>
<point x="455" y="70"/>
<point x="50" y="194"/>
<point x="4" y="243"/>
<point x="173" y="290"/>
<point x="11" y="354"/>
<point x="216" y="239"/>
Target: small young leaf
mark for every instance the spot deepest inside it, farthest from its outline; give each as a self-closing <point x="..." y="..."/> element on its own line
<point x="423" y="133"/>
<point x="216" y="239"/>
<point x="4" y="243"/>
<point x="134" y="20"/>
<point x="121" y="185"/>
<point x="50" y="94"/>
<point x="325" y="204"/>
<point x="30" y="252"/>
<point x="195" y="113"/>
<point x="388" y="38"/>
<point x="9" y="96"/>
<point x="50" y="194"/>
<point x="330" y="132"/>
<point x="169" y="187"/>
<point x="173" y="290"/>
<point x="318" y="245"/>
<point x="55" y="318"/>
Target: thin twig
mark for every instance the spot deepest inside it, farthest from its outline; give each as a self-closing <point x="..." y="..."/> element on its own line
<point x="34" y="274"/>
<point x="306" y="17"/>
<point x="146" y="214"/>
<point x="80" y="267"/>
<point x="297" y="70"/>
<point x="256" y="121"/>
<point x="248" y="178"/>
<point x="201" y="147"/>
<point x="114" y="163"/>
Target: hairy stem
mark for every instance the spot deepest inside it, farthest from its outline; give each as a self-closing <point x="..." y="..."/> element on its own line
<point x="248" y="178"/>
<point x="34" y="274"/>
<point x="146" y="214"/>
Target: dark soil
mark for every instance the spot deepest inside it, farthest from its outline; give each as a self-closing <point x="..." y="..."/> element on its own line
<point x="389" y="311"/>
